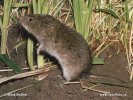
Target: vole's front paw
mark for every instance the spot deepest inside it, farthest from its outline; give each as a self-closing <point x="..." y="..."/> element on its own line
<point x="39" y="49"/>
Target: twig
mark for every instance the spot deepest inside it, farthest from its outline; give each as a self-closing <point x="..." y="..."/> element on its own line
<point x="91" y="88"/>
<point x="88" y="88"/>
<point x="26" y="74"/>
<point x="112" y="84"/>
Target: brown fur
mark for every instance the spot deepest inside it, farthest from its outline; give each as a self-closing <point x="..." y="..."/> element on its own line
<point x="60" y="41"/>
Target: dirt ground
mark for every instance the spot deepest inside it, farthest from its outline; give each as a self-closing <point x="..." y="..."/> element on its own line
<point x="52" y="87"/>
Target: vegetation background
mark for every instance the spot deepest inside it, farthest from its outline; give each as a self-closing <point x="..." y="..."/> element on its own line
<point x="103" y="23"/>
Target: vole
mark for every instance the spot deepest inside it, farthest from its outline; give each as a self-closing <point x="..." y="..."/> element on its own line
<point x="64" y="43"/>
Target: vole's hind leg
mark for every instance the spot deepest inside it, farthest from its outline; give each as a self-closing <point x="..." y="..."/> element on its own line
<point x="70" y="74"/>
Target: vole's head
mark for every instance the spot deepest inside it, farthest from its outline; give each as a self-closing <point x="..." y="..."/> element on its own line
<point x="37" y="23"/>
<point x="30" y="23"/>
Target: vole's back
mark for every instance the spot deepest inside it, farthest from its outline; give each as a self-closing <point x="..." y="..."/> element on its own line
<point x="60" y="41"/>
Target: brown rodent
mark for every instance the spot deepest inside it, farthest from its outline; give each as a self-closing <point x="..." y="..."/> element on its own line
<point x="60" y="41"/>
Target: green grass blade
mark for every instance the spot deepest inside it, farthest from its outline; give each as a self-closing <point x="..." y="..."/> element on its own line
<point x="4" y="58"/>
<point x="126" y="12"/>
<point x="77" y="16"/>
<point x="40" y="61"/>
<point x="0" y="22"/>
<point x="6" y="17"/>
<point x="44" y="7"/>
<point x="108" y="11"/>
<point x="16" y="5"/>
<point x="87" y="18"/>
<point x="30" y="53"/>
<point x="97" y="61"/>
<point x="82" y="16"/>
<point x="35" y="6"/>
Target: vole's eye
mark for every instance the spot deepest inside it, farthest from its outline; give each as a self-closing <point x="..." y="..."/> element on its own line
<point x="30" y="19"/>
